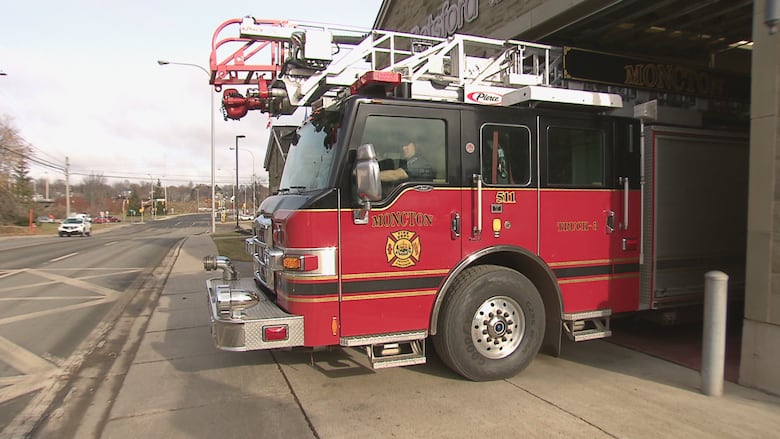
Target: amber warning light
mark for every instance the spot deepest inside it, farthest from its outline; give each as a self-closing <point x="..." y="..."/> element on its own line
<point x="300" y="263"/>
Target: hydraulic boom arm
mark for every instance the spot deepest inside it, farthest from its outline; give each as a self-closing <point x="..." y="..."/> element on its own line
<point x="287" y="65"/>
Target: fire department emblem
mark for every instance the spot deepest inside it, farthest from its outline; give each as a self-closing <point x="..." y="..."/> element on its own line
<point x="403" y="249"/>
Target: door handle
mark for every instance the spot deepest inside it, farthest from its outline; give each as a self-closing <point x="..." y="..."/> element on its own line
<point x="476" y="233"/>
<point x="626" y="188"/>
<point x="455" y="225"/>
<point x="610" y="221"/>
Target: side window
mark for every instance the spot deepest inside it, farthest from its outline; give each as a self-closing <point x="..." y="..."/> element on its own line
<point x="575" y="157"/>
<point x="408" y="149"/>
<point x="506" y="155"/>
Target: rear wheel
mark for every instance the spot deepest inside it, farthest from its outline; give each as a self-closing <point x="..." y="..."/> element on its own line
<point x="491" y="323"/>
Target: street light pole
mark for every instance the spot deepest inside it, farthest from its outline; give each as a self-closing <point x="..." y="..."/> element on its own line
<point x="235" y="197"/>
<point x="151" y="195"/>
<point x="213" y="153"/>
<point x="254" y="203"/>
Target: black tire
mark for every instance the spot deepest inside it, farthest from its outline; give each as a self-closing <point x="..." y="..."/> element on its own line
<point x="88" y="233"/>
<point x="61" y="234"/>
<point x="477" y="342"/>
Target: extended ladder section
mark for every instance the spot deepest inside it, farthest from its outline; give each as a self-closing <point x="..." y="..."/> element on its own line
<point x="297" y="64"/>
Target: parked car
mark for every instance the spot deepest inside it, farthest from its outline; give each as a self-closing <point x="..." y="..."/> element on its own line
<point x="44" y="219"/>
<point x="245" y="217"/>
<point x="106" y="219"/>
<point x="75" y="226"/>
<point x="84" y="216"/>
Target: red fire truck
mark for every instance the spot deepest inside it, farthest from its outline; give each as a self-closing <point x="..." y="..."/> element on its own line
<point x="529" y="208"/>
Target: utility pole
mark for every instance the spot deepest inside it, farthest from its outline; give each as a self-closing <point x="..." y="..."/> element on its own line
<point x="165" y="197"/>
<point x="151" y="195"/>
<point x="235" y="194"/>
<point x="67" y="187"/>
<point x="254" y="202"/>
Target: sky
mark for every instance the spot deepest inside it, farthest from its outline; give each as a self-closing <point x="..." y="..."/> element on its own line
<point x="82" y="81"/>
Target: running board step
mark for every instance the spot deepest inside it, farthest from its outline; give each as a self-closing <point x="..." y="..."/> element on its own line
<point x="404" y="353"/>
<point x="589" y="325"/>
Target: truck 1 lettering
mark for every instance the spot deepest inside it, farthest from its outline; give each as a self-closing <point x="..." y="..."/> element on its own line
<point x="577" y="226"/>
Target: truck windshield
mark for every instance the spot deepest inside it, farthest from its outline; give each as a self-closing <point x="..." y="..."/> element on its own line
<point x="310" y="157"/>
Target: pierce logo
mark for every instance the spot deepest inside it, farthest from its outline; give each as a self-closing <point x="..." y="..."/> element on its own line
<point x="485" y="97"/>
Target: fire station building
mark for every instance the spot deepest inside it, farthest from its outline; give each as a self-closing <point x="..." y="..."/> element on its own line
<point x="725" y="53"/>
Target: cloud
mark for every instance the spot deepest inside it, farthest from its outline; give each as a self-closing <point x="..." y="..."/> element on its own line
<point x="83" y="83"/>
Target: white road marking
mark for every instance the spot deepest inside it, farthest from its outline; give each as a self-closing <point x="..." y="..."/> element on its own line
<point x="110" y="243"/>
<point x="28" y="383"/>
<point x="28" y="285"/>
<point x="12" y="272"/>
<point x="37" y="372"/>
<point x="32" y="315"/>
<point x="7" y="381"/>
<point x="22" y="360"/>
<point x="34" y="371"/>
<point x="63" y="257"/>
<point x="76" y="283"/>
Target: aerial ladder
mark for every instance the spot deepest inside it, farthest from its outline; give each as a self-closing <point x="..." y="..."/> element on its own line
<point x="285" y="65"/>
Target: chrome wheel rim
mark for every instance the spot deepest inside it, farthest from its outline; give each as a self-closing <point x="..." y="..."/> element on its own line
<point x="497" y="327"/>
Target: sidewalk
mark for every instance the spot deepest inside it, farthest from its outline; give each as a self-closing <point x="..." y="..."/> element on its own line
<point x="179" y="385"/>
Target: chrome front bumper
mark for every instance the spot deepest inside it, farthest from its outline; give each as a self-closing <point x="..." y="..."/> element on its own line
<point x="247" y="329"/>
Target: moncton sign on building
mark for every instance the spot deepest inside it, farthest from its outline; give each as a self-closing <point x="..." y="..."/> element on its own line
<point x="591" y="66"/>
<point x="451" y="17"/>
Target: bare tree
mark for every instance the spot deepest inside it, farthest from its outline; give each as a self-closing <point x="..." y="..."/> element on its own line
<point x="96" y="190"/>
<point x="14" y="182"/>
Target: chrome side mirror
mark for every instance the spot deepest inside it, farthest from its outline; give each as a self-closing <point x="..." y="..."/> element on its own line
<point x="367" y="183"/>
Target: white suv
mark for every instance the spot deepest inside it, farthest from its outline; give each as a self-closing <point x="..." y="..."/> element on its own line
<point x="75" y="226"/>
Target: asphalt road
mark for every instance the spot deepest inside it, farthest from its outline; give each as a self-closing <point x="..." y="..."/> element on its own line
<point x="59" y="297"/>
<point x="166" y="379"/>
<point x="171" y="382"/>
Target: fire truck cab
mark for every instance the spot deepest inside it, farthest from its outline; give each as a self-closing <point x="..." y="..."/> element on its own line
<point x="524" y="220"/>
<point x="509" y="226"/>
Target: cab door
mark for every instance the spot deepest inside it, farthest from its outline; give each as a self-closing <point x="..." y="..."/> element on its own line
<point x="499" y="166"/>
<point x="583" y="209"/>
<point x="392" y="266"/>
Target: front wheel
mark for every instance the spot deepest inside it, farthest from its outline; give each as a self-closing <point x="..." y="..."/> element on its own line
<point x="491" y="323"/>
